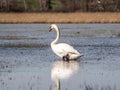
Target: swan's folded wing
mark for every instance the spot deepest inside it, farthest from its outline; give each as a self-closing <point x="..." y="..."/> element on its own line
<point x="65" y="48"/>
<point x="68" y="48"/>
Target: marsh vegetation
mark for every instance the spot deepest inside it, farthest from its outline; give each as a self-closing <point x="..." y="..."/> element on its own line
<point x="60" y="17"/>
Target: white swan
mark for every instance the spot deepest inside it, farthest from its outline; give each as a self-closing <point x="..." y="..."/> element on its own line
<point x="63" y="50"/>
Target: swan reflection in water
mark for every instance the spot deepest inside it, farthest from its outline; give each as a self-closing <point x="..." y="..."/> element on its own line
<point x="63" y="70"/>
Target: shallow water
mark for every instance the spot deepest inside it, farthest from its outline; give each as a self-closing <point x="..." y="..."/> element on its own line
<point x="28" y="63"/>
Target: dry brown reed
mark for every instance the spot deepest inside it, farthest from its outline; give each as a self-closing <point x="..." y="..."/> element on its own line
<point x="77" y="17"/>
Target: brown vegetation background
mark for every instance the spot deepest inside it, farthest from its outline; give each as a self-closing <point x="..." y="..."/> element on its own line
<point x="76" y="17"/>
<point x="59" y="11"/>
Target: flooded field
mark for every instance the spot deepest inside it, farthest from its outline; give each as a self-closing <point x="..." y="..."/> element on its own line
<point x="28" y="63"/>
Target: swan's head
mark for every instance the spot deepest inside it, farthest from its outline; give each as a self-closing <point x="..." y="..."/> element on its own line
<point x="53" y="26"/>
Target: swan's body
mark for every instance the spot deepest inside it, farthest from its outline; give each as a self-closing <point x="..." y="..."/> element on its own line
<point x="63" y="50"/>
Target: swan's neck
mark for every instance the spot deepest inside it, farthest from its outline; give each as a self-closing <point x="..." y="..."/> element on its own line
<point x="57" y="37"/>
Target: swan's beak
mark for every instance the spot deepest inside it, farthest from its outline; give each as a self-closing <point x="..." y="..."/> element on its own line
<point x="50" y="29"/>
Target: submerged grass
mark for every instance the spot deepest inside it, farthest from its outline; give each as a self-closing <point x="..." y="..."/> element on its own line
<point x="16" y="37"/>
<point x="88" y="87"/>
<point x="76" y="17"/>
<point x="24" y="45"/>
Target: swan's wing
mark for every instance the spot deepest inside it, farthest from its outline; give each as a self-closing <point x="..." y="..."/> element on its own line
<point x="63" y="48"/>
<point x="69" y="49"/>
<point x="59" y="50"/>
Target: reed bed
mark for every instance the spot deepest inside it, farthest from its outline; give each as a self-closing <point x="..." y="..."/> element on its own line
<point x="76" y="17"/>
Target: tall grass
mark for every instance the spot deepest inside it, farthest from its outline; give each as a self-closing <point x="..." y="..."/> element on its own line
<point x="60" y="17"/>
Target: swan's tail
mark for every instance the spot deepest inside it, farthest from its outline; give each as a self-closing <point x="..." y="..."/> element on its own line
<point x="81" y="55"/>
<point x="75" y="56"/>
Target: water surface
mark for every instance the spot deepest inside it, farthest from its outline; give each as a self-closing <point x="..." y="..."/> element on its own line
<point x="28" y="63"/>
